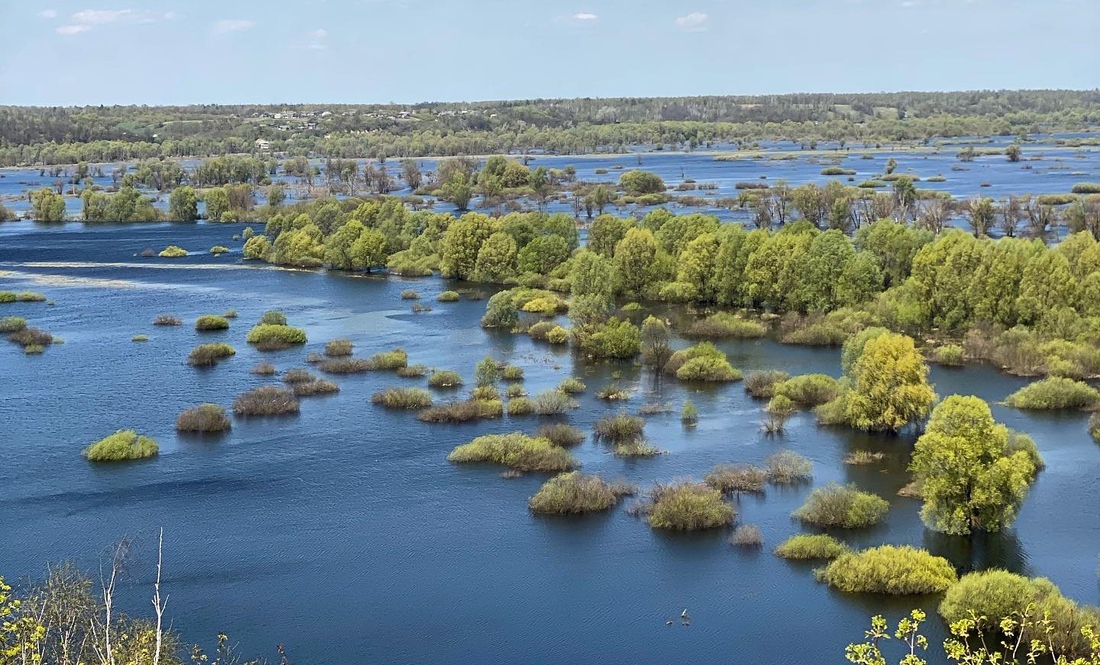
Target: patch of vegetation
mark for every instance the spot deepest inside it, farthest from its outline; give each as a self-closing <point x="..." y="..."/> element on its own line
<point x="172" y="252"/>
<point x="11" y="324"/>
<point x="780" y="405"/>
<point x="552" y="403"/>
<point x="167" y="320"/>
<point x="410" y="399"/>
<point x="515" y="451"/>
<point x="339" y="348"/>
<point x="843" y="507"/>
<point x="449" y="296"/>
<point x="888" y="569"/>
<point x="809" y="389"/>
<point x="485" y="393"/>
<point x="574" y="493"/>
<point x="805" y="547"/>
<point x="203" y="418"/>
<point x="229" y="314"/>
<point x="23" y="296"/>
<point x="761" y="385"/>
<point x="218" y="249"/>
<point x="298" y="375"/>
<point x="724" y="325"/>
<point x="266" y="401"/>
<point x="619" y="428"/>
<point x="747" y="535"/>
<point x="511" y="373"/>
<point x="688" y="507"/>
<point x="315" y="387"/>
<point x="273" y="317"/>
<point x="702" y="362"/>
<point x="273" y="337"/>
<point x="515" y="390"/>
<point x="572" y="386"/>
<point x="557" y="335"/>
<point x="462" y="412"/>
<point x="951" y="355"/>
<point x="520" y="406"/>
<point x="388" y="360"/>
<point x="1086" y="188"/>
<point x="445" y="379"/>
<point x="28" y="337"/>
<point x="123" y="445"/>
<point x="409" y="294"/>
<point x="263" y="369"/>
<point x="863" y="457"/>
<point x="1094" y="426"/>
<point x="788" y="468"/>
<point x="1055" y="393"/>
<point x="139" y="338"/>
<point x="635" y="448"/>
<point x="208" y="355"/>
<point x="413" y="371"/>
<point x="836" y="170"/>
<point x="211" y="322"/>
<point x="561" y="434"/>
<point x="613" y="393"/>
<point x="689" y="415"/>
<point x="736" y="478"/>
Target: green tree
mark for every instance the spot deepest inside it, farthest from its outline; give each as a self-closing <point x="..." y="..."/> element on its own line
<point x="598" y="199"/>
<point x="257" y="247"/>
<point x="543" y="254"/>
<point x="496" y="261"/>
<point x="635" y="259"/>
<point x="606" y="232"/>
<point x="656" y="343"/>
<point x="458" y="189"/>
<point x="461" y="244"/>
<point x="1047" y="284"/>
<point x="276" y="194"/>
<point x="47" y="205"/>
<point x="487" y="372"/>
<point x="593" y="275"/>
<point x="1013" y="153"/>
<point x="368" y="250"/>
<point x="969" y="480"/>
<point x="825" y="262"/>
<point x="217" y="203"/>
<point x="183" y="204"/>
<point x="696" y="267"/>
<point x="639" y="182"/>
<point x="889" y="385"/>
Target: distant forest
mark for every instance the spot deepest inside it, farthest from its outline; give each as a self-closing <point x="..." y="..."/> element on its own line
<point x="66" y="135"/>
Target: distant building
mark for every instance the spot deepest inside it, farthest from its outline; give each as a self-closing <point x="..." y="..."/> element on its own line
<point x="263" y="145"/>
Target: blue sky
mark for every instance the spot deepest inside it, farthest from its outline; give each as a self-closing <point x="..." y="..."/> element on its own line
<point x="66" y="52"/>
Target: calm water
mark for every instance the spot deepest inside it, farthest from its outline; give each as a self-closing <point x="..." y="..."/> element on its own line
<point x="344" y="532"/>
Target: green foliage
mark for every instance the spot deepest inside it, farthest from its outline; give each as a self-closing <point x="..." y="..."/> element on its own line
<point x="520" y="405"/>
<point x="270" y="337"/>
<point x="121" y="446"/>
<point x="208" y="355"/>
<point x="809" y="389"/>
<point x="761" y="385"/>
<point x="462" y="412"/>
<point x="1086" y="188"/>
<point x="724" y="325"/>
<point x="688" y="507"/>
<point x="889" y="385"/>
<point x="487" y="372"/>
<point x="689" y="415"/>
<point x="411" y="399"/>
<point x="557" y="335"/>
<point x="273" y="317"/>
<point x="257" y="247"/>
<point x="413" y="371"/>
<point x="788" y="468"/>
<point x="449" y="296"/>
<point x="266" y="401"/>
<point x="511" y="373"/>
<point x="552" y="403"/>
<point x="47" y="206"/>
<point x="888" y="569"/>
<point x="641" y="182"/>
<point x="10" y="324"/>
<point x="516" y="451"/>
<point x="211" y="322"/>
<point x="501" y="311"/>
<point x="951" y="355"/>
<point x="445" y="379"/>
<point x="28" y="337"/>
<point x="729" y="479"/>
<point x="183" y="205"/>
<point x="615" y="338"/>
<point x="172" y="252"/>
<point x="572" y="386"/>
<point x="844" y="507"/>
<point x="702" y="362"/>
<point x="203" y="418"/>
<point x="485" y="394"/>
<point x="747" y="535"/>
<point x="1094" y="426"/>
<point x="574" y="493"/>
<point x="560" y="434"/>
<point x="619" y="428"/>
<point x="339" y="348"/>
<point x="1055" y="393"/>
<point x="805" y="547"/>
<point x="388" y="360"/>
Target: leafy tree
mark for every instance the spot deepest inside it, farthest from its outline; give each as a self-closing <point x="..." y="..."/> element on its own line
<point x="276" y="194"/>
<point x="410" y="170"/>
<point x="47" y="205"/>
<point x="217" y="203"/>
<point x="894" y="245"/>
<point x="257" y="247"/>
<point x="642" y="182"/>
<point x="496" y="261"/>
<point x="981" y="214"/>
<point x="368" y="250"/>
<point x="593" y="275"/>
<point x="543" y="254"/>
<point x="1048" y="284"/>
<point x="773" y="273"/>
<point x="656" y="343"/>
<point x="970" y="481"/>
<point x="942" y="276"/>
<point x="1013" y="153"/>
<point x="606" y="232"/>
<point x="635" y="259"/>
<point x="696" y="267"/>
<point x="598" y="199"/>
<point x="825" y="262"/>
<point x="458" y="189"/>
<point x="461" y="244"/>
<point x="487" y="372"/>
<point x="889" y="385"/>
<point x="183" y="204"/>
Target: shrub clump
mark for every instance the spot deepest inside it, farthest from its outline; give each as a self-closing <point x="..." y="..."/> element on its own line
<point x="788" y="468"/>
<point x="273" y="317"/>
<point x="1094" y="426"/>
<point x="338" y="348"/>
<point x="29" y="337"/>
<point x="218" y="249"/>
<point x="410" y="399"/>
<point x="574" y="493"/>
<point x="747" y="535"/>
<point x="619" y="428"/>
<point x="805" y="547"/>
<point x="951" y="355"/>
<point x="297" y="375"/>
<point x="462" y="412"/>
<point x="413" y="371"/>
<point x="702" y="362"/>
<point x="172" y="252"/>
<point x="572" y="386"/>
<point x="613" y="393"/>
<point x="843" y="507"/>
<point x="211" y="322"/>
<point x="263" y="369"/>
<point x="889" y="569"/>
<point x="561" y="434"/>
<point x="273" y="337"/>
<point x="203" y="418"/>
<point x="729" y="478"/>
<point x="557" y="335"/>
<point x="123" y="445"/>
<point x="552" y="403"/>
<point x="688" y="507"/>
<point x="139" y="338"/>
<point x="11" y="324"/>
<point x="809" y="389"/>
<point x="485" y="393"/>
<point x="445" y="379"/>
<point x="520" y="406"/>
<point x="315" y="387"/>
<point x="266" y="401"/>
<point x="515" y="451"/>
<point x="409" y="294"/>
<point x="344" y="365"/>
<point x="167" y="320"/>
<point x="511" y="373"/>
<point x="761" y="385"/>
<point x="449" y="296"/>
<point x="1055" y="392"/>
<point x="208" y="355"/>
<point x="388" y="360"/>
<point x="725" y="325"/>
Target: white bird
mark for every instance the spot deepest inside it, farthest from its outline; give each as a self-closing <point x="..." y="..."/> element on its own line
<point x="684" y="614"/>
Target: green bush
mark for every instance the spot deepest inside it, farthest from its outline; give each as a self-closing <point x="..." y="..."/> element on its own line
<point x="635" y="448"/>
<point x="515" y="451"/>
<point x="552" y="403"/>
<point x="1094" y="426"/>
<point x="702" y="362"/>
<point x="485" y="393"/>
<point x="34" y="349"/>
<point x="273" y="317"/>
<point x="172" y="252"/>
<point x="388" y="360"/>
<point x="445" y="379"/>
<point x="724" y="325"/>
<point x="761" y="385"/>
<point x="339" y="348"/>
<point x="1020" y="442"/>
<point x="788" y="468"/>
<point x="612" y="393"/>
<point x="520" y="406"/>
<point x="344" y="365"/>
<point x="574" y="493"/>
<point x="270" y="337"/>
<point x="515" y="390"/>
<point x="167" y="320"/>
<point x="561" y="434"/>
<point x="729" y="478"/>
<point x="462" y="412"/>
<point x="688" y="507"/>
<point x="805" y="547"/>
<point x="572" y="386"/>
<point x="266" y="401"/>
<point x="413" y="371"/>
<point x="689" y="415"/>
<point x="501" y="311"/>
<point x="1086" y="188"/>
<point x="511" y="373"/>
<point x="203" y="418"/>
<point x="207" y="355"/>
<point x="780" y="405"/>
<point x="557" y="335"/>
<point x="410" y="399"/>
<point x="888" y="569"/>
<point x="951" y="355"/>
<point x="298" y="375"/>
<point x="619" y="428"/>
<point x="836" y="170"/>
<point x="211" y="322"/>
<point x="139" y="338"/>
<point x="843" y="507"/>
<point x="230" y="314"/>
<point x="541" y="330"/>
<point x="218" y="249"/>
<point x="614" y="339"/>
<point x="1055" y="393"/>
<point x="123" y="445"/>
<point x="486" y="372"/>
<point x="816" y="334"/>
<point x="29" y="296"/>
<point x="809" y="389"/>
<point x="11" y="324"/>
<point x="449" y="296"/>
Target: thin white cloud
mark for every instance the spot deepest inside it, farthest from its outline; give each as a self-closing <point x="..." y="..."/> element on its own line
<point x="319" y="33"/>
<point x="585" y="16"/>
<point x="47" y="13"/>
<point x="101" y="16"/>
<point x="693" y="22"/>
<point x="85" y="20"/>
<point x="72" y="29"/>
<point x="227" y="25"/>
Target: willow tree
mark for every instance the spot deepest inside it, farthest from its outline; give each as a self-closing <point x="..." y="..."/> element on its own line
<point x="889" y="385"/>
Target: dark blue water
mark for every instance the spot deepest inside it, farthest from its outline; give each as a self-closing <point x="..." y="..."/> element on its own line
<point x="345" y="534"/>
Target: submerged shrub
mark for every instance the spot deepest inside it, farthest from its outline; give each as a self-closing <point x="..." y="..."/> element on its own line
<point x="388" y="360"/>
<point x="689" y="415"/>
<point x="552" y="403"/>
<point x="702" y="362"/>
<point x="139" y="338"/>
<point x="10" y="324"/>
<point x="747" y="535"/>
<point x="28" y="337"/>
<point x="613" y="393"/>
<point x="515" y="451"/>
<point x="1055" y="393"/>
<point x="511" y="373"/>
<point x="462" y="412"/>
<point x="34" y="349"/>
<point x="520" y="406"/>
<point x="445" y="379"/>
<point x="264" y="369"/>
<point x="229" y="314"/>
<point x="843" y="507"/>
<point x="266" y="401"/>
<point x="761" y="385"/>
<point x="572" y="386"/>
<point x="30" y="296"/>
<point x="724" y="325"/>
<point x="273" y="317"/>
<point x="203" y="418"/>
<point x="573" y="493"/>
<point x="1094" y="426"/>
<point x="635" y="448"/>
<point x="780" y="405"/>
<point x="485" y="393"/>
<point x="413" y="371"/>
<point x="619" y="428"/>
<point x="409" y="294"/>
<point x="123" y="445"/>
<point x="806" y="547"/>
<point x="809" y="389"/>
<point x="338" y="348"/>
<point x="951" y="355"/>
<point x="207" y="355"/>
<point x="315" y="387"/>
<point x="557" y="335"/>
<point x="271" y="337"/>
<point x="211" y="322"/>
<point x="729" y="478"/>
<point x="788" y="468"/>
<point x="449" y="296"/>
<point x="172" y="252"/>
<point x="863" y="457"/>
<point x="167" y="320"/>
<point x="515" y="390"/>
<point x="297" y="375"/>
<point x="218" y="249"/>
<point x="412" y="399"/>
<point x="888" y="569"/>
<point x="688" y="507"/>
<point x="561" y="434"/>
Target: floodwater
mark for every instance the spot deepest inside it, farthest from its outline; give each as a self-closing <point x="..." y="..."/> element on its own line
<point x="345" y="534"/>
